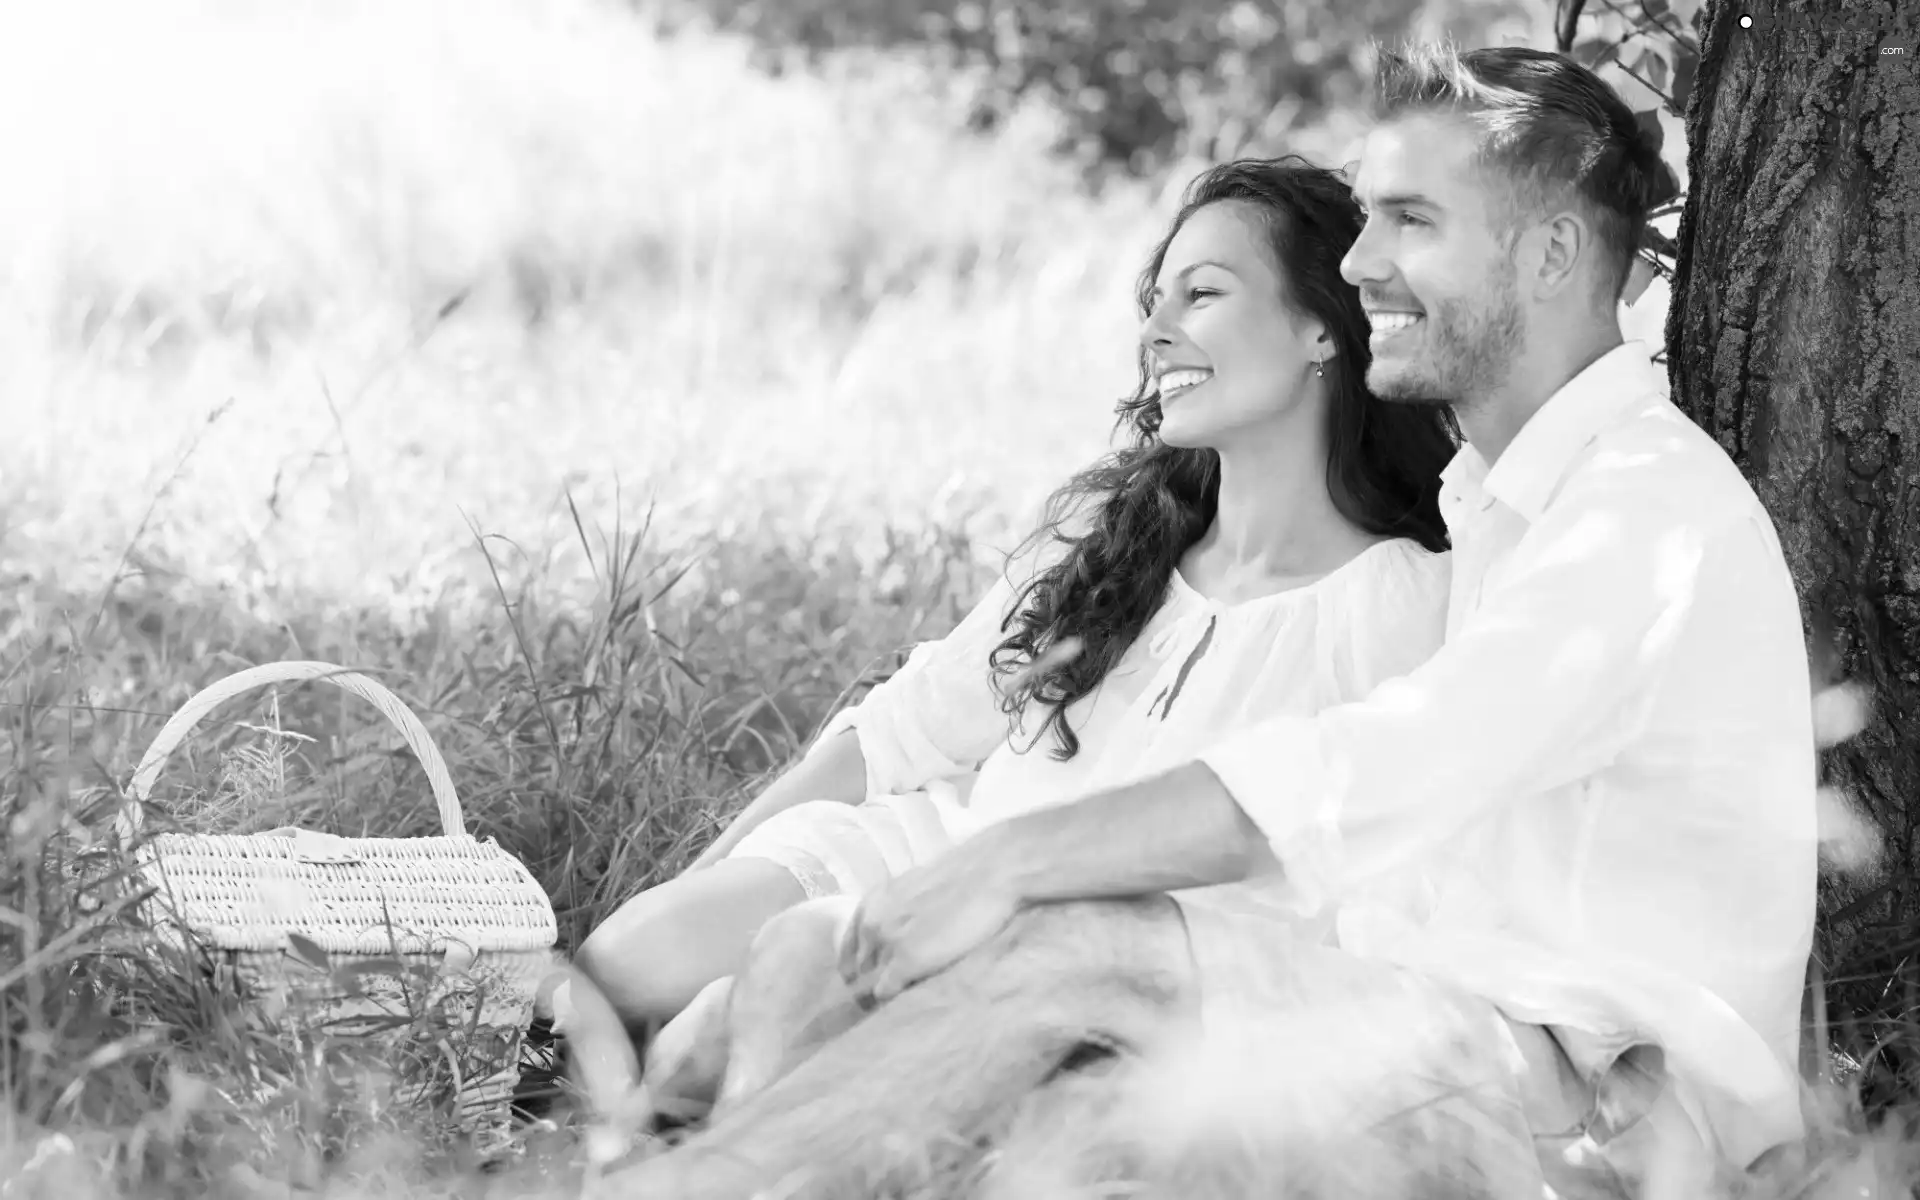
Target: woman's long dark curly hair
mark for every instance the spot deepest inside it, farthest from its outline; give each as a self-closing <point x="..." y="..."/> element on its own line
<point x="1150" y="502"/>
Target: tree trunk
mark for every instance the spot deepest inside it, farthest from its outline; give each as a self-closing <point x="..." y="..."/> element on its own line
<point x="1795" y="336"/>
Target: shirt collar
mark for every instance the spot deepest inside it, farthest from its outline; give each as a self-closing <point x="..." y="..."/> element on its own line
<point x="1463" y="485"/>
<point x="1538" y="459"/>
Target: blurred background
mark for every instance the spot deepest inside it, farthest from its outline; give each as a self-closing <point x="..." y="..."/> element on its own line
<point x="295" y="296"/>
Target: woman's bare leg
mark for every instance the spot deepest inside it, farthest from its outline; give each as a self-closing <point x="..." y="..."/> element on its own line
<point x="791" y="998"/>
<point x="661" y="948"/>
<point x="687" y="1059"/>
<point x="744" y="1031"/>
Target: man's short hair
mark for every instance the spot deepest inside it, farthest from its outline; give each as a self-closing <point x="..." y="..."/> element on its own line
<point x="1550" y="127"/>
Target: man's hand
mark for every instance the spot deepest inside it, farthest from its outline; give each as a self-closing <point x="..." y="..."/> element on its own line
<point x="923" y="922"/>
<point x="1175" y="830"/>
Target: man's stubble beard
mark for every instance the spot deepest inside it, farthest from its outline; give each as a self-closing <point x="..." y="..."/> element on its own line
<point x="1470" y="352"/>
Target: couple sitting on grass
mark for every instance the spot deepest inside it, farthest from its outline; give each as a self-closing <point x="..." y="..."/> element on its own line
<point x="1303" y="715"/>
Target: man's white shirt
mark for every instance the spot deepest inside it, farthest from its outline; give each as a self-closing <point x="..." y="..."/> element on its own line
<point x="1594" y="805"/>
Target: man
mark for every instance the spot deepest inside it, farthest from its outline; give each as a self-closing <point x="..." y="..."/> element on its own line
<point x="1592" y="811"/>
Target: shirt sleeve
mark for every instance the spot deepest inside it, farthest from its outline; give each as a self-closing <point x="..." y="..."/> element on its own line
<point x="940" y="714"/>
<point x="1540" y="686"/>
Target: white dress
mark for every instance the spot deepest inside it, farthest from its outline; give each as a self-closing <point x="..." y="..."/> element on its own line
<point x="943" y="760"/>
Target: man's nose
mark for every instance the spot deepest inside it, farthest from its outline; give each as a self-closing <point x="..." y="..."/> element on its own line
<point x="1363" y="261"/>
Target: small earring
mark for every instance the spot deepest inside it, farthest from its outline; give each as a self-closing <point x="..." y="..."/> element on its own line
<point x="1318" y="372"/>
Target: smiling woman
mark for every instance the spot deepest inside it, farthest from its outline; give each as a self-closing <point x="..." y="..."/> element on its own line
<point x="1252" y="402"/>
<point x="1270" y="541"/>
<point x="1223" y="322"/>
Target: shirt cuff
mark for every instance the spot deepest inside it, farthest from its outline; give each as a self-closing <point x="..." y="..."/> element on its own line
<point x="1278" y="774"/>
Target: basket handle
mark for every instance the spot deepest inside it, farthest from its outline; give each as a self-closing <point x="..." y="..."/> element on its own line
<point x="205" y="701"/>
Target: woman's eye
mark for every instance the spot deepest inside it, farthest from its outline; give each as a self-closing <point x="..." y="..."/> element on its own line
<point x="1196" y="293"/>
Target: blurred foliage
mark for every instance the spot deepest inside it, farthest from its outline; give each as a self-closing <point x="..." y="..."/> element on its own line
<point x="1140" y="82"/>
<point x="1653" y="47"/>
<point x="1143" y="83"/>
<point x="1654" y="42"/>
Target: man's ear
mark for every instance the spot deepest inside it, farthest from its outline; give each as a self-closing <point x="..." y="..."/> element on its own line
<point x="1564" y="242"/>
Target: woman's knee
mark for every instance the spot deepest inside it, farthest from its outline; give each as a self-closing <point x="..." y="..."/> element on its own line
<point x="647" y="969"/>
<point x="657" y="951"/>
<point x="807" y="930"/>
<point x="794" y="963"/>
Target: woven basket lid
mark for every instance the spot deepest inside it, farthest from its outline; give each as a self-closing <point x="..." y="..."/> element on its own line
<point x="362" y="896"/>
<point x="350" y="895"/>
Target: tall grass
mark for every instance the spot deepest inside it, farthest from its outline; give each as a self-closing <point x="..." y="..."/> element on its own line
<point x="616" y="404"/>
<point x="619" y="406"/>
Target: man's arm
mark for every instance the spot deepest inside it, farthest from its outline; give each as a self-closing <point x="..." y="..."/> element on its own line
<point x="1535" y="689"/>
<point x="1179" y="829"/>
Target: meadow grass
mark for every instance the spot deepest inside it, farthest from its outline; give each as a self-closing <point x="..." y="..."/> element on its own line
<point x="620" y="407"/>
<point x="617" y="405"/>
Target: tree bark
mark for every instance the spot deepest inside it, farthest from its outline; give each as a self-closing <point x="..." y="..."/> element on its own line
<point x="1795" y="338"/>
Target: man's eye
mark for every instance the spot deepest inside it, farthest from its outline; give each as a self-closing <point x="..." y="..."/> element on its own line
<point x="1407" y="218"/>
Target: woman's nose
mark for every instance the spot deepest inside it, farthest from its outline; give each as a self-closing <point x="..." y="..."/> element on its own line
<point x="1155" y="332"/>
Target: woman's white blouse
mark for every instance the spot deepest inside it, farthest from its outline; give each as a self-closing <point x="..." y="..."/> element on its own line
<point x="1200" y="668"/>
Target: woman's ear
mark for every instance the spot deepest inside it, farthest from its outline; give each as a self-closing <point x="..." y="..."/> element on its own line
<point x="1324" y="347"/>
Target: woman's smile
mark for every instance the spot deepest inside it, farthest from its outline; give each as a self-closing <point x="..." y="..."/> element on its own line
<point x="1174" y="383"/>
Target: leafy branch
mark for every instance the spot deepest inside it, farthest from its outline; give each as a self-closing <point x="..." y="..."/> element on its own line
<point x="1665" y="68"/>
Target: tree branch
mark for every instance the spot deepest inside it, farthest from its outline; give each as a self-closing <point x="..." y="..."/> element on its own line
<point x="1568" y="24"/>
<point x="1666" y="101"/>
<point x="1673" y="31"/>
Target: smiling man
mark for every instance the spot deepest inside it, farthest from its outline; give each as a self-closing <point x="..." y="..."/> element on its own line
<point x="1592" y="810"/>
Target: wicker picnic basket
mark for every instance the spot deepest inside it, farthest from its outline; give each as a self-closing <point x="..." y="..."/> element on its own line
<point x="352" y="934"/>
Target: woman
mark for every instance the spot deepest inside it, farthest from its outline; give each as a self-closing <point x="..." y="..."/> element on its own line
<point x="1271" y="541"/>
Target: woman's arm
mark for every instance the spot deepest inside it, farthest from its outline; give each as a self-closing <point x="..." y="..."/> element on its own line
<point x="939" y="715"/>
<point x="834" y="769"/>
